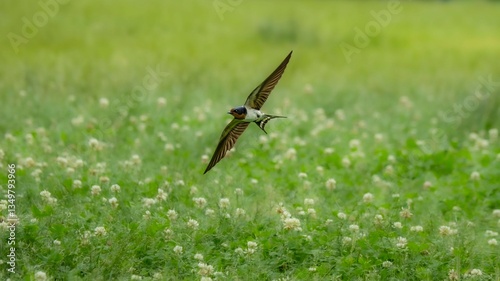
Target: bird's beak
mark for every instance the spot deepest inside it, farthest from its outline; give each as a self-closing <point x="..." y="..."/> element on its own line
<point x="229" y="112"/>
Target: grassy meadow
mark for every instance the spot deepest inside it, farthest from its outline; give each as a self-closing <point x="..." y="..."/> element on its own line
<point x="387" y="167"/>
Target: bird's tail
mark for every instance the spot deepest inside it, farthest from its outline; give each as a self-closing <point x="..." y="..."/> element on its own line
<point x="262" y="123"/>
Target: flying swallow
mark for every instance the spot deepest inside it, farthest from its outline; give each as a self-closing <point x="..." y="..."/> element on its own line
<point x="247" y="113"/>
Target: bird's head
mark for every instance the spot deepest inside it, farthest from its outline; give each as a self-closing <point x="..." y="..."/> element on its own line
<point x="238" y="112"/>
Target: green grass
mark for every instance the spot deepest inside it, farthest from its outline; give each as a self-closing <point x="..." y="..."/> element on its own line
<point x="412" y="130"/>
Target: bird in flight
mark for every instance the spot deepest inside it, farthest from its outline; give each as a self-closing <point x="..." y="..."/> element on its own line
<point x="247" y="113"/>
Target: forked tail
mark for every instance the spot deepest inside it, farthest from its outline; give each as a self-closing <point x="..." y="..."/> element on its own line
<point x="262" y="123"/>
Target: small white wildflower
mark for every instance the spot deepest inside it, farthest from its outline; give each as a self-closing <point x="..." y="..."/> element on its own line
<point x="308" y="201"/>
<point x="224" y="203"/>
<point x="95" y="190"/>
<point x="401" y="242"/>
<point x="476" y="272"/>
<point x="405" y="213"/>
<point x="446" y="230"/>
<point x="115" y="188"/>
<point x="209" y="212"/>
<point x="397" y="225"/>
<point x="346" y="240"/>
<point x="148" y="202"/>
<point x="346" y="162"/>
<point x="161" y="101"/>
<point x="135" y="277"/>
<point x="57" y="242"/>
<point x="239" y="251"/>
<point x="100" y="231"/>
<point x="379" y="219"/>
<point x="198" y="256"/>
<point x="427" y="184"/>
<point x="40" y="276"/>
<point x="113" y="201"/>
<point x="475" y="176"/>
<point x="416" y="228"/>
<point x="302" y="175"/>
<point x="453" y="275"/>
<point x="387" y="264"/>
<point x="496" y="213"/>
<point x="238" y="191"/>
<point x="291" y="224"/>
<point x="178" y="249"/>
<point x="240" y="212"/>
<point x="342" y="216"/>
<point x="103" y="102"/>
<point x="354" y="228"/>
<point x="312" y="269"/>
<point x="172" y="214"/>
<point x="331" y="184"/>
<point x="311" y="212"/>
<point x="193" y="224"/>
<point x="200" y="202"/>
<point x="367" y="197"/>
<point x="205" y="269"/>
<point x="491" y="233"/>
<point x="354" y="143"/>
<point x="492" y="242"/>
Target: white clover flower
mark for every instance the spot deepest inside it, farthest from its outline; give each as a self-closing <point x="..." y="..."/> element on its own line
<point x="427" y="184"/>
<point x="312" y="269"/>
<point x="224" y="203"/>
<point x="113" y="201"/>
<point x="492" y="242"/>
<point x="95" y="190"/>
<point x="178" y="249"/>
<point x="311" y="212"/>
<point x="308" y="201"/>
<point x="387" y="264"/>
<point x="328" y="150"/>
<point x="354" y="228"/>
<point x="475" y="176"/>
<point x="205" y="269"/>
<point x="100" y="231"/>
<point x="148" y="202"/>
<point x="346" y="162"/>
<point x="302" y="175"/>
<point x="162" y="195"/>
<point x="346" y="240"/>
<point x="490" y="233"/>
<point x="193" y="224"/>
<point x="291" y="224"/>
<point x="342" y="216"/>
<point x="240" y="212"/>
<point x="254" y="181"/>
<point x="198" y="256"/>
<point x="320" y="169"/>
<point x="496" y="213"/>
<point x="368" y="198"/>
<point x="205" y="158"/>
<point x="238" y="191"/>
<point x="291" y="154"/>
<point x="416" y="228"/>
<point x="57" y="242"/>
<point x="239" y="251"/>
<point x="172" y="214"/>
<point x="331" y="184"/>
<point x="401" y="242"/>
<point x="161" y="101"/>
<point x="115" y="188"/>
<point x="209" y="212"/>
<point x="397" y="225"/>
<point x="252" y="246"/>
<point x="446" y="230"/>
<point x="379" y="219"/>
<point x="476" y="272"/>
<point x="354" y="143"/>
<point x="103" y="102"/>
<point x="40" y="276"/>
<point x="405" y="213"/>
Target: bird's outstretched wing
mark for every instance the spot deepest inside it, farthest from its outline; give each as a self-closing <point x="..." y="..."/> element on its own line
<point x="227" y="140"/>
<point x="259" y="96"/>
